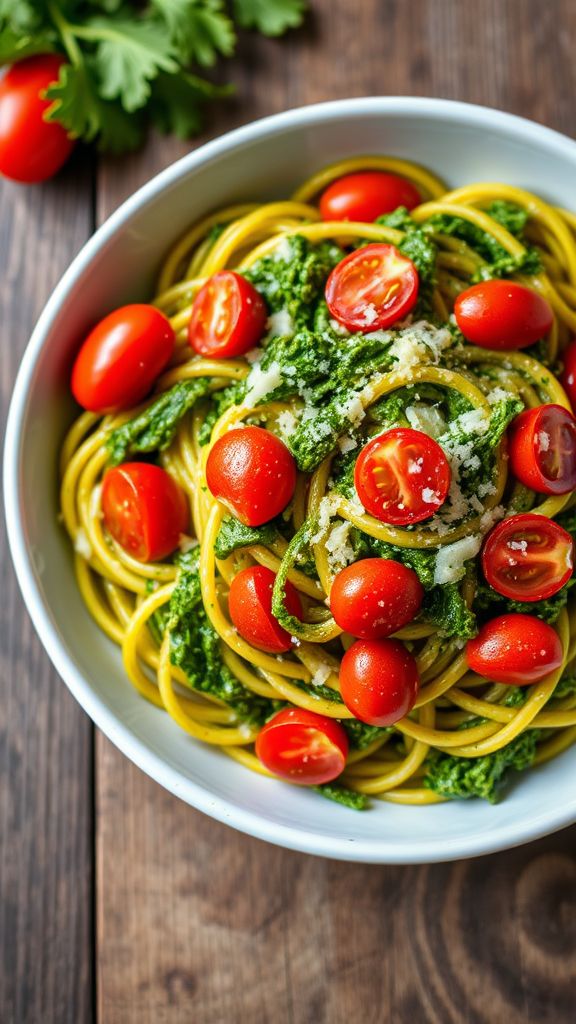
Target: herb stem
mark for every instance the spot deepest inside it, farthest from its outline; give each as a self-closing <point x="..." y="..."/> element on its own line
<point x="67" y="32"/>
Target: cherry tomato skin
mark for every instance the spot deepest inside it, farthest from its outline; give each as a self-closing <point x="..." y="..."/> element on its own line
<point x="372" y="288"/>
<point x="301" y="746"/>
<point x="542" y="449"/>
<point x="568" y="378"/>
<point x="528" y="557"/>
<point x="121" y="358"/>
<point x="250" y="607"/>
<point x="228" y="317"/>
<point x="402" y="476"/>
<point x="378" y="681"/>
<point x="251" y="471"/>
<point x="367" y="195"/>
<point x="31" y="149"/>
<point x="144" y="509"/>
<point x="374" y="597"/>
<point x="515" y="649"/>
<point x="502" y="315"/>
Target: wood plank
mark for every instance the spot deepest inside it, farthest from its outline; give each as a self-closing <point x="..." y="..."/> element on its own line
<point x="196" y="923"/>
<point x="45" y="737"/>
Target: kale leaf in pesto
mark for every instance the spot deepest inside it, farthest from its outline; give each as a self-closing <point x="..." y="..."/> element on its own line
<point x="154" y="428"/>
<point x="295" y="282"/>
<point x="459" y="778"/>
<point x="445" y="608"/>
<point x="233" y="535"/>
<point x="341" y="795"/>
<point x="195" y="647"/>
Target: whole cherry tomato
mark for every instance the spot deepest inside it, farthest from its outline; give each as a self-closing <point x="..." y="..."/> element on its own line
<point x="372" y="288"/>
<point x="121" y="358"/>
<point x="515" y="649"/>
<point x="366" y="195"/>
<point x="502" y="315"/>
<point x="528" y="557"/>
<point x="542" y="449"/>
<point x="31" y="149"/>
<point x="144" y="510"/>
<point x="402" y="476"/>
<point x="250" y="607"/>
<point x="228" y="317"/>
<point x="251" y="471"/>
<point x="379" y="681"/>
<point x="301" y="746"/>
<point x="375" y="597"/>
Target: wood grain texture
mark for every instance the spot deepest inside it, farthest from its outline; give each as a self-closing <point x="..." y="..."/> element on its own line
<point x="46" y="849"/>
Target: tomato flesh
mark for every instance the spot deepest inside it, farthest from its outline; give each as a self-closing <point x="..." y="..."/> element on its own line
<point x="379" y="681"/>
<point x="542" y="449"/>
<point x="144" y="510"/>
<point x="301" y="746"/>
<point x="228" y="317"/>
<point x="31" y="149"/>
<point x="251" y="471"/>
<point x="568" y="378"/>
<point x="250" y="607"/>
<point x="515" y="649"/>
<point x="121" y="358"/>
<point x="366" y="195"/>
<point x="528" y="557"/>
<point x="502" y="315"/>
<point x="402" y="476"/>
<point x="375" y="597"/>
<point x="372" y="288"/>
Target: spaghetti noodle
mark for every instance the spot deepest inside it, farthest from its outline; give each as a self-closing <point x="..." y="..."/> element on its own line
<point x="463" y="730"/>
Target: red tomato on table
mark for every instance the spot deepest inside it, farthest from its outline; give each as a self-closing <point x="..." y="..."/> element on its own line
<point x="542" y="449"/>
<point x="379" y="681"/>
<point x="366" y="195"/>
<point x="372" y="288"/>
<point x="402" y="476"/>
<point x="250" y="607"/>
<point x="144" y="510"/>
<point x="375" y="597"/>
<point x="515" y="649"/>
<point x="301" y="746"/>
<point x="251" y="471"/>
<point x="121" y="358"/>
<point x="528" y="557"/>
<point x="31" y="149"/>
<point x="502" y="315"/>
<point x="228" y="317"/>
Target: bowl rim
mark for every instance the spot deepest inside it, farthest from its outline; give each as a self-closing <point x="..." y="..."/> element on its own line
<point x="376" y="851"/>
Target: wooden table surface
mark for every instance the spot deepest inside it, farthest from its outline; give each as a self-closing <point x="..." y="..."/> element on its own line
<point x="119" y="904"/>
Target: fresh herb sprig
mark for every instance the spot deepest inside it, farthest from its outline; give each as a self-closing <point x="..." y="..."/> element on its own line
<point x="130" y="63"/>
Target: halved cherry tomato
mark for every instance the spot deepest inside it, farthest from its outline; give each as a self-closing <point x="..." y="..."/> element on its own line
<point x="228" y="317"/>
<point x="250" y="607"/>
<point x="367" y="195"/>
<point x="252" y="472"/>
<point x="515" y="649"/>
<point x="402" y="476"/>
<point x="379" y="681"/>
<point x="528" y="557"/>
<point x="144" y="510"/>
<point x="374" y="597"/>
<point x="372" y="288"/>
<point x="502" y="315"/>
<point x="301" y="746"/>
<point x="542" y="449"/>
<point x="31" y="149"/>
<point x="121" y="358"/>
<point x="568" y="378"/>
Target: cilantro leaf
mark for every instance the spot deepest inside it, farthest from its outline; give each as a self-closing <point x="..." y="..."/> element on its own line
<point x="271" y="17"/>
<point x="128" y="55"/>
<point x="200" y="30"/>
<point x="177" y="102"/>
<point x="23" y="17"/>
<point x="15" y="46"/>
<point x="78" y="107"/>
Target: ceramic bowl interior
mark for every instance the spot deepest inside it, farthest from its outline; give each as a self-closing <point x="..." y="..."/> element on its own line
<point x="262" y="161"/>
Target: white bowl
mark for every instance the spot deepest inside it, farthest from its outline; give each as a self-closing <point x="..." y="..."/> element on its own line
<point x="267" y="159"/>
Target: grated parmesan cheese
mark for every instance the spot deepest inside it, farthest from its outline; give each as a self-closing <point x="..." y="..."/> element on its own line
<point x="347" y="444"/>
<point x="261" y="383"/>
<point x="82" y="545"/>
<point x="338" y="547"/>
<point x="426" y="418"/>
<point x="287" y="422"/>
<point x="352" y="408"/>
<point x="280" y="324"/>
<point x="420" y="343"/>
<point x="282" y="251"/>
<point x="186" y="543"/>
<point x="449" y="566"/>
<point x="322" y="673"/>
